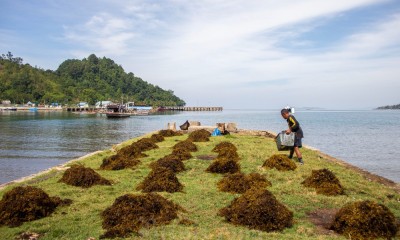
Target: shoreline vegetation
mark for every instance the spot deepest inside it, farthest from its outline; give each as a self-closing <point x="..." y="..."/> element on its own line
<point x="389" y="107"/>
<point x="89" y="80"/>
<point x="200" y="197"/>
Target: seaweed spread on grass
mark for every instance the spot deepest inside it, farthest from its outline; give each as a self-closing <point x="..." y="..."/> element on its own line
<point x="24" y="204"/>
<point x="223" y="165"/>
<point x="281" y="162"/>
<point x="200" y="135"/>
<point x="240" y="183"/>
<point x="171" y="162"/>
<point x="81" y="176"/>
<point x="157" y="137"/>
<point x="161" y="179"/>
<point x="325" y="182"/>
<point x="127" y="157"/>
<point x="365" y="220"/>
<point x="118" y="162"/>
<point x="129" y="213"/>
<point x="145" y="144"/>
<point x="220" y="146"/>
<point x="228" y="153"/>
<point x="187" y="145"/>
<point x="258" y="209"/>
<point x="181" y="154"/>
<point x="169" y="133"/>
<point x="131" y="151"/>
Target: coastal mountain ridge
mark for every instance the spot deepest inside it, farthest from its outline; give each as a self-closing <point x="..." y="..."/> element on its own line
<point x="90" y="80"/>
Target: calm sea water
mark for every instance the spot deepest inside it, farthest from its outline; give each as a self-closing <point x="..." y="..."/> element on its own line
<point x="31" y="142"/>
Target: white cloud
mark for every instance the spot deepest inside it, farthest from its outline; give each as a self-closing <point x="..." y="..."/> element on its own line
<point x="231" y="49"/>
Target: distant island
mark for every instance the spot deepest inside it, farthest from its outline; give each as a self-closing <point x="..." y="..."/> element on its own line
<point x="389" y="107"/>
<point x="90" y="80"/>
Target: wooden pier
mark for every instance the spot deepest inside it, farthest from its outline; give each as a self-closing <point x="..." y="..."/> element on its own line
<point x="93" y="109"/>
<point x="80" y="109"/>
<point x="193" y="108"/>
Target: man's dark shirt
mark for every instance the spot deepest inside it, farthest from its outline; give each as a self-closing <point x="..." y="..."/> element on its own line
<point x="294" y="125"/>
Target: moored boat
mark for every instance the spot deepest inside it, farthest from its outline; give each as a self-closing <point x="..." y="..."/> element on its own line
<point x="117" y="111"/>
<point x="117" y="115"/>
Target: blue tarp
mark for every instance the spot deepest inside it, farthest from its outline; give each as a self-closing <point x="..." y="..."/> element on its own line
<point x="216" y="132"/>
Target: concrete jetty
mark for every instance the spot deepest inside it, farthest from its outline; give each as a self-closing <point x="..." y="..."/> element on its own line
<point x="193" y="108"/>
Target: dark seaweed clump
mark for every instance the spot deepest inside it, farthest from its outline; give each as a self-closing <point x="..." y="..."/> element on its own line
<point x="145" y="144"/>
<point x="129" y="213"/>
<point x="200" y="135"/>
<point x="118" y="162"/>
<point x="228" y="153"/>
<point x="222" y="145"/>
<point x="365" y="220"/>
<point x="325" y="182"/>
<point x="240" y="183"/>
<point x="226" y="161"/>
<point x="169" y="133"/>
<point x="281" y="162"/>
<point x="171" y="162"/>
<point x="24" y="204"/>
<point x="181" y="154"/>
<point x="157" y="137"/>
<point x="81" y="176"/>
<point x="161" y="180"/>
<point x="127" y="157"/>
<point x="131" y="152"/>
<point x="186" y="145"/>
<point x="223" y="165"/>
<point x="258" y="209"/>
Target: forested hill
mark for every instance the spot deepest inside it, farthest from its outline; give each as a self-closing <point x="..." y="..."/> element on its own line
<point x="389" y="107"/>
<point x="90" y="79"/>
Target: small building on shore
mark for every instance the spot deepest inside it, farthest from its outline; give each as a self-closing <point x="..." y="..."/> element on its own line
<point x="6" y="102"/>
<point x="83" y="105"/>
<point x="103" y="104"/>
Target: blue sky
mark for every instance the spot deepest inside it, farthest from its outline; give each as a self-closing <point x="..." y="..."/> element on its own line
<point x="342" y="54"/>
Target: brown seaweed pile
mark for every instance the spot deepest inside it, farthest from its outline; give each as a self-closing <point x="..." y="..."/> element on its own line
<point x="226" y="161"/>
<point x="127" y="157"/>
<point x="169" y="133"/>
<point x="365" y="220"/>
<point x="81" y="176"/>
<point x="24" y="204"/>
<point x="200" y="135"/>
<point x="129" y="213"/>
<point x="240" y="183"/>
<point x="171" y="162"/>
<point x="222" y="145"/>
<point x="223" y="165"/>
<point x="161" y="180"/>
<point x="131" y="151"/>
<point x="157" y="137"/>
<point x="118" y="162"/>
<point x="228" y="153"/>
<point x="258" y="209"/>
<point x="325" y="182"/>
<point x="281" y="162"/>
<point x="145" y="144"/>
<point x="181" y="154"/>
<point x="186" y="145"/>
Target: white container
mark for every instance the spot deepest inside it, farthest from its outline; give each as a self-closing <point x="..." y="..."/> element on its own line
<point x="285" y="141"/>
